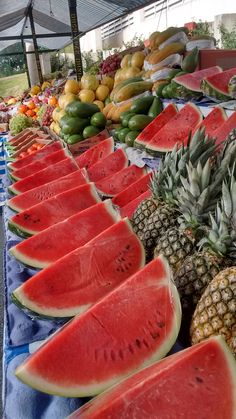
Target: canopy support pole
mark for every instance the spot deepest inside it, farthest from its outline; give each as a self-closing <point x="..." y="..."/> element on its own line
<point x="36" y="52"/>
<point x="75" y="38"/>
<point x="25" y="60"/>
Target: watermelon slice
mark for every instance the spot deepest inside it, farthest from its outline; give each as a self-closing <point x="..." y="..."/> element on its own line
<point x="149" y="132"/>
<point x="55" y="171"/>
<point x="176" y="130"/>
<point x="214" y="120"/>
<point x="190" y="375"/>
<point x="45" y="151"/>
<point x="53" y="210"/>
<point x="84" y="145"/>
<point x="130" y="328"/>
<point x="129" y="209"/>
<point x="79" y="279"/>
<point x="222" y="132"/>
<point x="192" y="81"/>
<point x="114" y="184"/>
<point x="133" y="191"/>
<point x="38" y="165"/>
<point x="217" y="85"/>
<point x="45" y="248"/>
<point x="108" y="166"/>
<point x="96" y="153"/>
<point x="48" y="190"/>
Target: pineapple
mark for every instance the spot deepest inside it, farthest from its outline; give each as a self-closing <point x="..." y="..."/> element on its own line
<point x="215" y="313"/>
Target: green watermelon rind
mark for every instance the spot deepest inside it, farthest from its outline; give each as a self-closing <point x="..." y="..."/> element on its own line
<point x="155" y="150"/>
<point x="91" y="390"/>
<point x="210" y="91"/>
<point x="32" y="263"/>
<point x="24" y="301"/>
<point x="18" y="231"/>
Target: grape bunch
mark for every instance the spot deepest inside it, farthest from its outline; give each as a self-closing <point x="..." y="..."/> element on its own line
<point x="110" y="64"/>
<point x="45" y="115"/>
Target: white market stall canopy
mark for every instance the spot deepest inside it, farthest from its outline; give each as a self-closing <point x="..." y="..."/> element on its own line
<point x="51" y="17"/>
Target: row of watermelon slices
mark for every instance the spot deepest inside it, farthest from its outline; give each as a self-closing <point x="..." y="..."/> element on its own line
<point x="91" y="353"/>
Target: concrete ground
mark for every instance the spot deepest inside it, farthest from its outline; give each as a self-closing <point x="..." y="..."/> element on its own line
<point x="2" y="241"/>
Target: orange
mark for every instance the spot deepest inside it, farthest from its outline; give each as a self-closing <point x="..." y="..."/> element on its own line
<point x="30" y="112"/>
<point x="23" y="108"/>
<point x="31" y="105"/>
<point x="52" y="101"/>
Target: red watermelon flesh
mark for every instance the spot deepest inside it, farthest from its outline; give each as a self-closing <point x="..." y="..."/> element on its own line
<point x="48" y="190"/>
<point x="133" y="326"/>
<point x="79" y="279"/>
<point x="56" y="209"/>
<point x="84" y="145"/>
<point x="38" y="165"/>
<point x="133" y="191"/>
<point x="55" y="171"/>
<point x="177" y="130"/>
<point x="192" y="81"/>
<point x="155" y="126"/>
<point x="46" y="247"/>
<point x="114" y="184"/>
<point x="50" y="148"/>
<point x="108" y="166"/>
<point x="129" y="209"/>
<point x="214" y="120"/>
<point x="96" y="153"/>
<point x="222" y="132"/>
<point x="220" y="81"/>
<point x="198" y="382"/>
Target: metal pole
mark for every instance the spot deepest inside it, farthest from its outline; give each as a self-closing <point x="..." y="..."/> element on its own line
<point x="35" y="44"/>
<point x="25" y="60"/>
<point x="75" y="38"/>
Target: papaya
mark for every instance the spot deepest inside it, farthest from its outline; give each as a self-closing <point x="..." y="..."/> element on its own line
<point x="74" y="125"/>
<point x="174" y="72"/>
<point x="111" y="111"/>
<point x="155" y="108"/>
<point x="75" y="138"/>
<point x="159" y="55"/>
<point x="141" y="105"/>
<point x="137" y="59"/>
<point x="152" y="38"/>
<point x="160" y="87"/>
<point x="122" y="84"/>
<point x="132" y="89"/>
<point x="122" y="134"/>
<point x="126" y="61"/>
<point x="90" y="131"/>
<point x="139" y="122"/>
<point x="163" y="36"/>
<point x="107" y="108"/>
<point x="81" y="109"/>
<point x="125" y="117"/>
<point x="131" y="137"/>
<point x="190" y="61"/>
<point x="119" y="110"/>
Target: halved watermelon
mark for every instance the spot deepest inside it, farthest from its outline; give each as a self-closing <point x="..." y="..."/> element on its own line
<point x="114" y="184"/>
<point x="130" y="328"/>
<point x="76" y="281"/>
<point x="192" y="81"/>
<point x="108" y="166"/>
<point x="217" y="85"/>
<point x="56" y="171"/>
<point x="46" y="247"/>
<point x="214" y="120"/>
<point x="222" y="132"/>
<point x="133" y="191"/>
<point x="189" y="375"/>
<point x="48" y="190"/>
<point x="96" y="153"/>
<point x="51" y="148"/>
<point x="148" y="133"/>
<point x="53" y="210"/>
<point x="129" y="209"/>
<point x="38" y="165"/>
<point x="177" y="130"/>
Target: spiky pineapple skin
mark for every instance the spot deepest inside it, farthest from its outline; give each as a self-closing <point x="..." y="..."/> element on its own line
<point x="176" y="244"/>
<point x="216" y="311"/>
<point x="163" y="218"/>
<point x="142" y="213"/>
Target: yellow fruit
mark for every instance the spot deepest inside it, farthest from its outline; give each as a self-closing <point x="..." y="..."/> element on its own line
<point x="52" y="126"/>
<point x="137" y="59"/>
<point x="56" y="128"/>
<point x="55" y="113"/>
<point x="100" y="104"/>
<point x="87" y="95"/>
<point x="45" y="85"/>
<point x="130" y="72"/>
<point x="64" y="100"/>
<point x="108" y="81"/>
<point x="89" y="82"/>
<point x="35" y="90"/>
<point x="72" y="86"/>
<point x="126" y="61"/>
<point x="12" y="101"/>
<point x="102" y="92"/>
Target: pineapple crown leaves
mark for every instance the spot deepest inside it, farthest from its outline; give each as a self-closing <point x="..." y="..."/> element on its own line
<point x="228" y="200"/>
<point x="218" y="240"/>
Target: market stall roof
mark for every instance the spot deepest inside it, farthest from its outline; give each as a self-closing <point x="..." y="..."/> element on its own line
<point x="52" y="17"/>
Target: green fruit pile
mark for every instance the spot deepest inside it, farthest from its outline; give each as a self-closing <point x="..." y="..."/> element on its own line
<point x="81" y="121"/>
<point x="141" y="113"/>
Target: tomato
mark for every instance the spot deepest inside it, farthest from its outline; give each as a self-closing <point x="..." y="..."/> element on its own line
<point x="31" y="105"/>
<point x="30" y="113"/>
<point x="23" y="154"/>
<point x="39" y="146"/>
<point x="23" y="108"/>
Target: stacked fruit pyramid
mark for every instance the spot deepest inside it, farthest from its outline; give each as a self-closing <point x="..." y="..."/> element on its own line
<point x="124" y="282"/>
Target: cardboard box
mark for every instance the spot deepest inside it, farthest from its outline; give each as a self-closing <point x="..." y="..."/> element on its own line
<point x="225" y="58"/>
